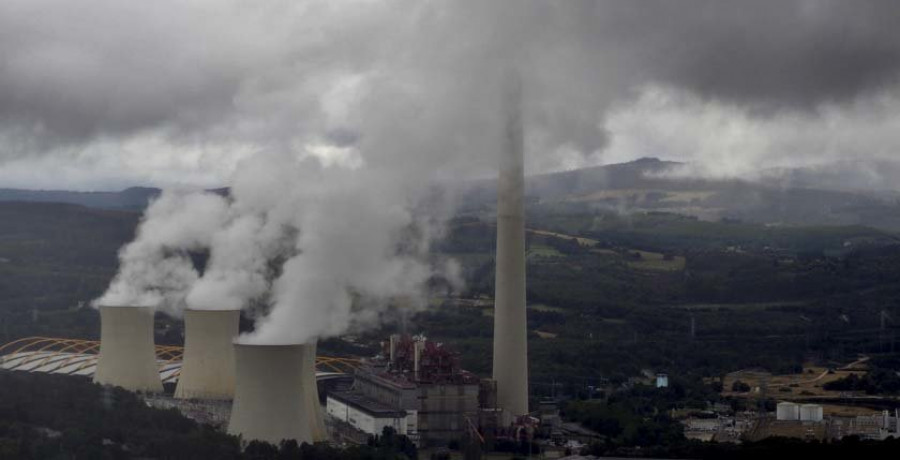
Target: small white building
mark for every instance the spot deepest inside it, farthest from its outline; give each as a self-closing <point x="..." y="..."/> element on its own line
<point x="365" y="414"/>
<point x="662" y="380"/>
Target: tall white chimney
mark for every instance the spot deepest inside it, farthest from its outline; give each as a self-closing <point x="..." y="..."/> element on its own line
<point x="207" y="369"/>
<point x="274" y="393"/>
<point x="510" y="334"/>
<point x="127" y="349"/>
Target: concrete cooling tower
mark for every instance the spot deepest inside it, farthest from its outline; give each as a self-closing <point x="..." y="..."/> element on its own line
<point x="317" y="415"/>
<point x="275" y="394"/>
<point x="207" y="369"/>
<point x="127" y="351"/>
<point x="510" y="328"/>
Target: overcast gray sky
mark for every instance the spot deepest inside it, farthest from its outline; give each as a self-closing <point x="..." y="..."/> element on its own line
<point x="102" y="94"/>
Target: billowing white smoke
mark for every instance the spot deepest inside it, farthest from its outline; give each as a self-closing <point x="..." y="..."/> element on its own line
<point x="314" y="242"/>
<point x="156" y="269"/>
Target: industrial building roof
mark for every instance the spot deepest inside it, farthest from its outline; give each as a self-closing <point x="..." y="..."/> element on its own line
<point x="79" y="357"/>
<point x="84" y="364"/>
<point x="366" y="405"/>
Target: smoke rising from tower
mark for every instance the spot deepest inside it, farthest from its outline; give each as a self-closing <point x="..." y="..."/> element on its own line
<point x="324" y="248"/>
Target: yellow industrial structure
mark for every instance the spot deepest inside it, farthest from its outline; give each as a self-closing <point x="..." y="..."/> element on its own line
<point x="53" y="355"/>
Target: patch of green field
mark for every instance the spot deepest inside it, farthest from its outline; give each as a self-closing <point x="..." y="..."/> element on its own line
<point x="656" y="261"/>
<point x="537" y="250"/>
<point x="741" y="306"/>
<point x="542" y="307"/>
<point x="613" y="320"/>
<point x="581" y="240"/>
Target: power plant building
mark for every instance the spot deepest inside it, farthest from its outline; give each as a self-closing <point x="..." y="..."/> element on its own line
<point x="207" y="370"/>
<point x="423" y="381"/>
<point x="127" y="350"/>
<point x="273" y="394"/>
<point x="364" y="414"/>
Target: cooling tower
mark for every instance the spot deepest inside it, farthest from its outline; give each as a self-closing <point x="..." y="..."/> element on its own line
<point x="275" y="394"/>
<point x="317" y="415"/>
<point x="127" y="351"/>
<point x="207" y="369"/>
<point x="510" y="334"/>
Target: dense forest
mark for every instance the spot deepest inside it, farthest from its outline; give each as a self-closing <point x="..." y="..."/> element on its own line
<point x="676" y="294"/>
<point x="60" y="417"/>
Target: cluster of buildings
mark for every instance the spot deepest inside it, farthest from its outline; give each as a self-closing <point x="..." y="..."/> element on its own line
<point x="872" y="427"/>
<point x="792" y="420"/>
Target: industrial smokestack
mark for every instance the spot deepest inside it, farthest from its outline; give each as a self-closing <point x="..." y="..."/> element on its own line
<point x="510" y="334"/>
<point x="395" y="340"/>
<point x="207" y="369"/>
<point x="274" y="388"/>
<point x="418" y="348"/>
<point x="127" y="350"/>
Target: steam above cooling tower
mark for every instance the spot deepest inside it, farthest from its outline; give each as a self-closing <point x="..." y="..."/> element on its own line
<point x="275" y="394"/>
<point x="510" y="334"/>
<point x="207" y="370"/>
<point x="127" y="350"/>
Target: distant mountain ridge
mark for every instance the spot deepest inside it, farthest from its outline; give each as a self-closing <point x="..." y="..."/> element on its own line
<point x="840" y="194"/>
<point x="845" y="193"/>
<point x="133" y="199"/>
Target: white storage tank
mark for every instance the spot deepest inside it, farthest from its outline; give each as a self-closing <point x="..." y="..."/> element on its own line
<point x="811" y="413"/>
<point x="787" y="411"/>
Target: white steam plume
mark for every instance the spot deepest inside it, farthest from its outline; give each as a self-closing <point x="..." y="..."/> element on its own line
<point x="314" y="242"/>
<point x="155" y="269"/>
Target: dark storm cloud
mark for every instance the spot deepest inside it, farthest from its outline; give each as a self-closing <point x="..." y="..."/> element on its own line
<point x="414" y="82"/>
<point x="75" y="72"/>
<point x="775" y="52"/>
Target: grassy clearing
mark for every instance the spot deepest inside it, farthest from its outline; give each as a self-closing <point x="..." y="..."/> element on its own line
<point x="537" y="250"/>
<point x="657" y="261"/>
<point x="582" y="241"/>
<point x="488" y="308"/>
<point x="740" y="306"/>
<point x="804" y="385"/>
<point x="614" y="320"/>
<point x="687" y="196"/>
<point x="542" y="307"/>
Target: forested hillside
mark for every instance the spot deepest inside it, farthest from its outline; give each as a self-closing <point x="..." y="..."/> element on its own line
<point x="53" y="258"/>
<point x="619" y="298"/>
